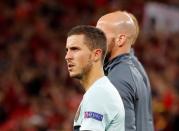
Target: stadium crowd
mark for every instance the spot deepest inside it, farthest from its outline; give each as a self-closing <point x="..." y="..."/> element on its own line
<point x="36" y="93"/>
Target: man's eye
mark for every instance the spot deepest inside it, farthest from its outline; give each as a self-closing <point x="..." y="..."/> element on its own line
<point x="75" y="48"/>
<point x="66" y="50"/>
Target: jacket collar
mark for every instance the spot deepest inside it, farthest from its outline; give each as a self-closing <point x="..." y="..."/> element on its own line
<point x="110" y="64"/>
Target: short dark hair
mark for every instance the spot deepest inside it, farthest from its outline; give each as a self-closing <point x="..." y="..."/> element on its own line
<point x="95" y="38"/>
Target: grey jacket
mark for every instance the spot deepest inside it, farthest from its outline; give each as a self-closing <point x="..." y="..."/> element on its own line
<point x="129" y="77"/>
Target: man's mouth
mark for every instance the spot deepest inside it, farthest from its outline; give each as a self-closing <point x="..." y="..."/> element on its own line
<point x="70" y="66"/>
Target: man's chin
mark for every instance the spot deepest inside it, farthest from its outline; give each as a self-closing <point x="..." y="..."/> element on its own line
<point x="77" y="76"/>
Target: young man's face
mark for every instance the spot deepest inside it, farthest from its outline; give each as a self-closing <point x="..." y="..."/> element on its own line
<point x="78" y="56"/>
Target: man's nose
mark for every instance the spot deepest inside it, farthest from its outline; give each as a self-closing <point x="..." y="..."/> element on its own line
<point x="68" y="56"/>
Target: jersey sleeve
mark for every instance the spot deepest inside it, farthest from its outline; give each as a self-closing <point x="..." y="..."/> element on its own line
<point x="93" y="115"/>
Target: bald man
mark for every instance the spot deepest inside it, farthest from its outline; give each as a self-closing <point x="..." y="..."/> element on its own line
<point x="125" y="71"/>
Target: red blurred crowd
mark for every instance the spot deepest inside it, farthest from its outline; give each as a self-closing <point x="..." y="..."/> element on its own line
<point x="36" y="93"/>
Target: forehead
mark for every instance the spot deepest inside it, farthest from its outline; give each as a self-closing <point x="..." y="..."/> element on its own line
<point x="75" y="40"/>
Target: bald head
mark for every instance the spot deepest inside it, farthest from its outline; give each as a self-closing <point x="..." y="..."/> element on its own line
<point x="120" y="22"/>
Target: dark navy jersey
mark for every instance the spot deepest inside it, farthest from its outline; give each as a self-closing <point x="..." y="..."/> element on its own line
<point x="129" y="77"/>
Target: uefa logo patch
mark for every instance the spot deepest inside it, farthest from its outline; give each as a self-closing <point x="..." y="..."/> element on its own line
<point x="93" y="115"/>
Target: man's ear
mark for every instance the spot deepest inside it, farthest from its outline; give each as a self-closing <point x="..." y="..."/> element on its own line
<point x="97" y="54"/>
<point x="120" y="40"/>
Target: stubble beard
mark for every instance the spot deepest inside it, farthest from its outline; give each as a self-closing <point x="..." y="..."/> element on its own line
<point x="84" y="71"/>
<point x="108" y="54"/>
<point x="106" y="59"/>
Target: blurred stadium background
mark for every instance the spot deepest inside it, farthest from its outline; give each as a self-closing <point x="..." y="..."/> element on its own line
<point x="36" y="93"/>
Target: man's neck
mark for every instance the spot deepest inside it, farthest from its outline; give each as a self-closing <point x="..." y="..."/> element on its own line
<point x="119" y="52"/>
<point x="91" y="77"/>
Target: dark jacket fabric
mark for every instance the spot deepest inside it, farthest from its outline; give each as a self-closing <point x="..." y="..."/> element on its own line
<point x="129" y="77"/>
